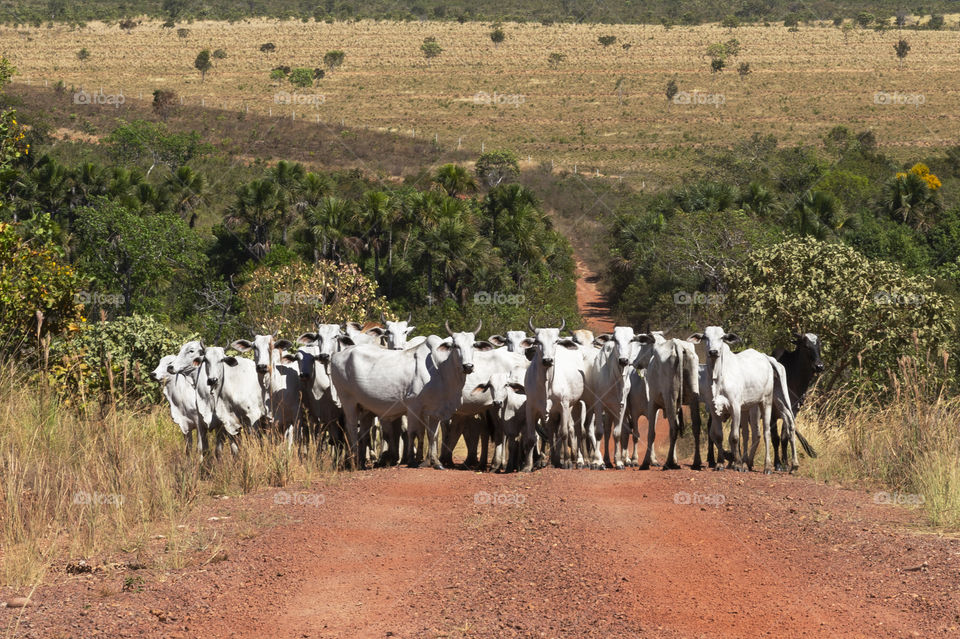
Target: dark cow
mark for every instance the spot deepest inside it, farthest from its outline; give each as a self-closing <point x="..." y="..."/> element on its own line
<point x="803" y="365"/>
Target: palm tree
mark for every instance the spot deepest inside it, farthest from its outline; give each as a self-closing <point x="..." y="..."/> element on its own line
<point x="819" y="213"/>
<point x="378" y="215"/>
<point x="455" y="179"/>
<point x="186" y="188"/>
<point x="257" y="206"/>
<point x="506" y="200"/>
<point x="330" y="225"/>
<point x="910" y="199"/>
<point x="757" y="199"/>
<point x="288" y="176"/>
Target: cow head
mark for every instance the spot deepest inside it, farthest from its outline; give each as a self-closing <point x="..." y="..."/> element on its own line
<point x="545" y="342"/>
<point x="809" y="345"/>
<point x="716" y="339"/>
<point x="624" y="344"/>
<point x="640" y="357"/>
<point x="462" y="345"/>
<point x="515" y="341"/>
<point x="214" y="359"/>
<point x="188" y="359"/>
<point x="162" y="372"/>
<point x="394" y="334"/>
<point x="267" y="352"/>
<point x="500" y="386"/>
<point x="319" y="347"/>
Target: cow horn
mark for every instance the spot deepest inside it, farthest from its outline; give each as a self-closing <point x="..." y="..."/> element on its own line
<point x="477" y="330"/>
<point x="563" y="324"/>
<point x="409" y="316"/>
<point x="446" y="324"/>
<point x="530" y="324"/>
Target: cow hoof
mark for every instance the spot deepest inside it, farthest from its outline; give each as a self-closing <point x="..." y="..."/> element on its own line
<point x="438" y="467"/>
<point x="671" y="466"/>
<point x="619" y="466"/>
<point x="718" y="468"/>
<point x="767" y="471"/>
<point x="644" y="466"/>
<point x="779" y="468"/>
<point x="696" y="467"/>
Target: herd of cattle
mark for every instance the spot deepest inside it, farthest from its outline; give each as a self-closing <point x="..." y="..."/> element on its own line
<point x="542" y="397"/>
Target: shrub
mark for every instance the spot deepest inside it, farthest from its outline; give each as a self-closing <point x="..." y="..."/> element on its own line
<point x="290" y="299"/>
<point x="33" y="278"/>
<point x="112" y="359"/>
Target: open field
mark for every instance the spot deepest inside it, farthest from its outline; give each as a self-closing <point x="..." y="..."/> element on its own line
<point x="801" y="84"/>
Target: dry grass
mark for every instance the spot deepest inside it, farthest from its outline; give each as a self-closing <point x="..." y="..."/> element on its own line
<point x="909" y="445"/>
<point x="91" y="485"/>
<point x="802" y="83"/>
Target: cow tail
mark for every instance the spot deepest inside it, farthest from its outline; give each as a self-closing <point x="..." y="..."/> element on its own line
<point x="807" y="448"/>
<point x="678" y="380"/>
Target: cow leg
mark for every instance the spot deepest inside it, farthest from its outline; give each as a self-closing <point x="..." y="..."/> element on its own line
<point x="778" y="442"/>
<point x="451" y="434"/>
<point x="695" y="424"/>
<point x="767" y="412"/>
<point x="650" y="459"/>
<point x="616" y="432"/>
<point x="606" y="434"/>
<point x="735" y="412"/>
<point x="188" y="441"/>
<point x="716" y="437"/>
<point x="673" y="418"/>
<point x="566" y="437"/>
<point x="471" y="437"/>
<point x="433" y="427"/>
<point x="789" y="425"/>
<point x="366" y="426"/>
<point x="755" y="438"/>
<point x="352" y="426"/>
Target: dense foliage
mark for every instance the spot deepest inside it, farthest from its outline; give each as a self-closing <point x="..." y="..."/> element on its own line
<point x="730" y="14"/>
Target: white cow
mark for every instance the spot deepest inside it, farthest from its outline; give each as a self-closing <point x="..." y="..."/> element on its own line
<point x="228" y="394"/>
<point x="508" y="398"/>
<point x="394" y="334"/>
<point x="606" y="391"/>
<point x="425" y="383"/>
<point x="471" y="419"/>
<point x="279" y="382"/>
<point x="738" y="382"/>
<point x="181" y="393"/>
<point x="671" y="380"/>
<point x="313" y="362"/>
<point x="554" y="388"/>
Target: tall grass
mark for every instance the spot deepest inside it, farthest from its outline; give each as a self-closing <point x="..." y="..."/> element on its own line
<point x="79" y="485"/>
<point x="908" y="442"/>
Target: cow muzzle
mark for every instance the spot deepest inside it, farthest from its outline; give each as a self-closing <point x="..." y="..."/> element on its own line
<point x="212" y="381"/>
<point x="548" y="362"/>
<point x="468" y="368"/>
<point x="714" y="354"/>
<point x="262" y="368"/>
<point x="623" y="361"/>
<point x="324" y="357"/>
<point x="497" y="403"/>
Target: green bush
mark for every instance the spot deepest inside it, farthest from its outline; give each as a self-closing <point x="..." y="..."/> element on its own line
<point x="112" y="359"/>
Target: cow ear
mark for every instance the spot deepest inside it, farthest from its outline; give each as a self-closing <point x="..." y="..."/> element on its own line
<point x="645" y="338"/>
<point x="410" y="329"/>
<point x="241" y="345"/>
<point x="346" y="340"/>
<point x="443" y="347"/>
<point x="731" y="338"/>
<point x="283" y="344"/>
<point x="517" y="388"/>
<point x="230" y="360"/>
<point x="376" y="330"/>
<point x="288" y="358"/>
<point x="568" y="344"/>
<point x="530" y="352"/>
<point x="483" y="346"/>
<point x="308" y="338"/>
<point x="497" y="340"/>
<point x="606" y="337"/>
<point x="695" y="338"/>
<point x="480" y="388"/>
<point x="528" y="342"/>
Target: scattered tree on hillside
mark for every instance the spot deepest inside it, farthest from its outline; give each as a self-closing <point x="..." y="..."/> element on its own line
<point x="716" y="65"/>
<point x="203" y="63"/>
<point x="333" y="59"/>
<point x="672" y="89"/>
<point x="164" y="103"/>
<point x="607" y="40"/>
<point x="730" y="22"/>
<point x="902" y="48"/>
<point x="182" y="32"/>
<point x="268" y="47"/>
<point x="555" y="58"/>
<point x="497" y="36"/>
<point x="301" y="77"/>
<point x="318" y="75"/>
<point x="743" y="69"/>
<point x="496" y="166"/>
<point x="430" y="48"/>
<point x="220" y="54"/>
<point x="83" y="55"/>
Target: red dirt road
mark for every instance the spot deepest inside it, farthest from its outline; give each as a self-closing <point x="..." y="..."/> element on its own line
<point x="421" y="553"/>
